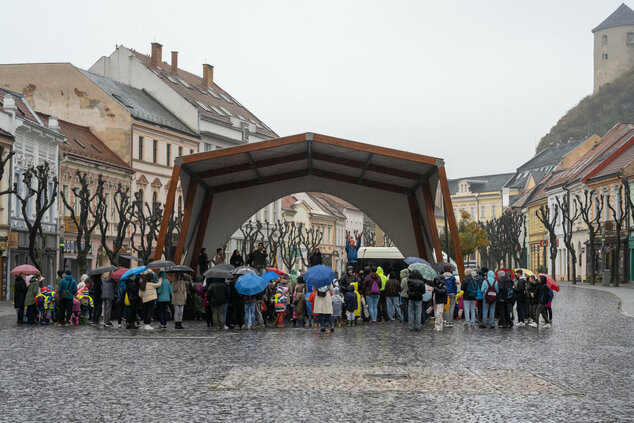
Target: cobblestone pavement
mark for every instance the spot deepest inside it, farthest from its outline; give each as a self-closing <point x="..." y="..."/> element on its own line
<point x="581" y="370"/>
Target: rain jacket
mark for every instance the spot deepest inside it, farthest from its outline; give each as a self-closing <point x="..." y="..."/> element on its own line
<point x="379" y="271"/>
<point x="31" y="292"/>
<point x="164" y="293"/>
<point x="492" y="282"/>
<point x="479" y="295"/>
<point x="323" y="305"/>
<point x="350" y="299"/>
<point x="218" y="292"/>
<point x="404" y="277"/>
<point x="293" y="275"/>
<point x="440" y="294"/>
<point x="150" y="291"/>
<point x="68" y="283"/>
<point x="353" y="251"/>
<point x="450" y="283"/>
<point x="179" y="292"/>
<point x="107" y="289"/>
<point x="368" y="282"/>
<point x="357" y="311"/>
<point x="299" y="300"/>
<point x="392" y="288"/>
<point x="20" y="292"/>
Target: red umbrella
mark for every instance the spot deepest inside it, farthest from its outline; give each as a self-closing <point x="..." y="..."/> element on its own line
<point x="26" y="269"/>
<point x="278" y="271"/>
<point x="118" y="273"/>
<point x="550" y="282"/>
<point x="508" y="272"/>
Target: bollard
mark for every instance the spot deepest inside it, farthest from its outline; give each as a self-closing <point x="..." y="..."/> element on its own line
<point x="606" y="278"/>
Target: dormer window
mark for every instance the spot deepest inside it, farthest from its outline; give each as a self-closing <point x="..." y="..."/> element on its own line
<point x="463" y="188"/>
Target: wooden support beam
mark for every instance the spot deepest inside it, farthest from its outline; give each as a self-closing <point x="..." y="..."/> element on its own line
<point x="167" y="212"/>
<point x="362" y="165"/>
<point x="253" y="164"/>
<point x="433" y="228"/>
<point x="418" y="232"/>
<point x="189" y="203"/>
<point x="260" y="181"/>
<point x="453" y="227"/>
<point x="352" y="180"/>
<point x="202" y="229"/>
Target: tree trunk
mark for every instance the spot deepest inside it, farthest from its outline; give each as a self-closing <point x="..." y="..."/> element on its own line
<point x="592" y="259"/>
<point x="574" y="267"/>
<point x="617" y="261"/>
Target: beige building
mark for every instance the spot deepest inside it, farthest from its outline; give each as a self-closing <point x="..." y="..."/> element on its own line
<point x="613" y="46"/>
<point x="481" y="196"/>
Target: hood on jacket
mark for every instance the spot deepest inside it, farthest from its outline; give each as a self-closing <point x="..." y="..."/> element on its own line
<point x="447" y="275"/>
<point x="379" y="271"/>
<point x="491" y="276"/>
<point x="351" y="288"/>
<point x="405" y="273"/>
<point x="415" y="274"/>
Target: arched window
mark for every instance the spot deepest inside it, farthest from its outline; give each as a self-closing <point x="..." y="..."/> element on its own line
<point x="180" y="203"/>
<point x="140" y="196"/>
<point x="604" y="40"/>
<point x="154" y="198"/>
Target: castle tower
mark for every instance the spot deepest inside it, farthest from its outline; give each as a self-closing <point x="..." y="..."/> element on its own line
<point x="613" y="46"/>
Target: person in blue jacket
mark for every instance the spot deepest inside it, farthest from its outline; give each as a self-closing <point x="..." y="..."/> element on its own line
<point x="488" y="309"/>
<point x="352" y="249"/>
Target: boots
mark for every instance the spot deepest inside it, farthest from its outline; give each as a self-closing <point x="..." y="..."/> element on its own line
<point x="178" y="325"/>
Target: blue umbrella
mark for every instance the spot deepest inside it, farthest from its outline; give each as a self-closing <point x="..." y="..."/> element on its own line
<point x="412" y="260"/>
<point x="319" y="276"/>
<point x="269" y="276"/>
<point x="250" y="284"/>
<point x="133" y="272"/>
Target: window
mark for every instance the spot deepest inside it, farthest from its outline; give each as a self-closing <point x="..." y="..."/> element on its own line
<point x="140" y="148"/>
<point x="630" y="37"/>
<point x="213" y="93"/>
<point x="472" y="212"/>
<point x="180" y="203"/>
<point x="180" y="151"/>
<point x="154" y="150"/>
<point x="209" y="147"/>
<point x="171" y="79"/>
<point x="604" y="56"/>
<point x="217" y="110"/>
<point x="65" y="190"/>
<point x="154" y="198"/>
<point x="483" y="212"/>
<point x="141" y="196"/>
<point x="604" y="40"/>
<point x="245" y="132"/>
<point x="227" y="112"/>
<point x="183" y="82"/>
<point x="493" y="211"/>
<point x="204" y="107"/>
<point x="191" y="151"/>
<point x="168" y="151"/>
<point x="226" y="98"/>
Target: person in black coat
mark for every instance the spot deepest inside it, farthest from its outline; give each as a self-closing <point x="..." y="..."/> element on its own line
<point x="19" y="296"/>
<point x="132" y="289"/>
<point x="203" y="261"/>
<point x="95" y="293"/>
<point x="258" y="257"/>
<point x="236" y="259"/>
<point x="440" y="297"/>
<point x="315" y="258"/>
<point x="351" y="303"/>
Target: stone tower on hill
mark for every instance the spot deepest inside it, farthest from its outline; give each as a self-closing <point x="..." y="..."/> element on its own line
<point x="613" y="46"/>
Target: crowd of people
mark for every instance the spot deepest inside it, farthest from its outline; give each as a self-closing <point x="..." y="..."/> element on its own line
<point x="368" y="296"/>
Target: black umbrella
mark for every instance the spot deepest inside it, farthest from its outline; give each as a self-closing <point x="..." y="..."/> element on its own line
<point x="101" y="270"/>
<point x="160" y="264"/>
<point x="217" y="273"/>
<point x="180" y="269"/>
<point x="440" y="266"/>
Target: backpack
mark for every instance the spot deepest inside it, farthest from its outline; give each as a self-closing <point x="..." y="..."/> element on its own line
<point x="64" y="293"/>
<point x="375" y="290"/>
<point x="510" y="293"/>
<point x="490" y="295"/>
<point x="551" y="295"/>
<point x="322" y="291"/>
<point x="472" y="288"/>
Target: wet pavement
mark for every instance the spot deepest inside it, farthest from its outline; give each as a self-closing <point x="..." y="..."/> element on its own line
<point x="580" y="370"/>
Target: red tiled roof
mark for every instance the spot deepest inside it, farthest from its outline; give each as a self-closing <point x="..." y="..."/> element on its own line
<point x="23" y="108"/>
<point x="335" y="201"/>
<point x="613" y="164"/>
<point x="327" y="205"/>
<point x="83" y="144"/>
<point x="198" y="92"/>
<point x="611" y="141"/>
<point x="288" y="201"/>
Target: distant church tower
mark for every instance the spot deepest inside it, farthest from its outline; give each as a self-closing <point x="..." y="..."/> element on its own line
<point x="613" y="46"/>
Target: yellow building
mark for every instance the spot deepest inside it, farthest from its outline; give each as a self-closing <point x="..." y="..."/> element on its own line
<point x="538" y="251"/>
<point x="481" y="196"/>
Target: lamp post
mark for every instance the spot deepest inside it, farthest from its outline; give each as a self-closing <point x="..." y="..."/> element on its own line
<point x="61" y="246"/>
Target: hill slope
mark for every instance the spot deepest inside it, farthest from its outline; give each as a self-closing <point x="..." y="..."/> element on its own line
<point x="596" y="113"/>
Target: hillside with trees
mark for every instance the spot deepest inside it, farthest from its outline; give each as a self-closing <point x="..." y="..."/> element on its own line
<point x="596" y="113"/>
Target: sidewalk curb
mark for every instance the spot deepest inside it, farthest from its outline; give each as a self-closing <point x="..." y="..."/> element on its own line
<point x="619" y="306"/>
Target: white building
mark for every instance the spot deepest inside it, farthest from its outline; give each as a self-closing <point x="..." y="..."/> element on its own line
<point x="34" y="144"/>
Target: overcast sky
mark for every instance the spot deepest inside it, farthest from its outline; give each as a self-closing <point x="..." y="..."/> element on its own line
<point x="477" y="83"/>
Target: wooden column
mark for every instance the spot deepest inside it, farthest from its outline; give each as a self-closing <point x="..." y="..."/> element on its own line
<point x="202" y="229"/>
<point x="418" y="232"/>
<point x="169" y="206"/>
<point x="429" y="207"/>
<point x="189" y="203"/>
<point x="453" y="227"/>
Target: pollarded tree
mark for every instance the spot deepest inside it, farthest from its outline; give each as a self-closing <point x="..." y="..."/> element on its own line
<point x="122" y="210"/>
<point x="309" y="238"/>
<point x="38" y="194"/>
<point x="591" y="208"/>
<point x="251" y="233"/>
<point x="273" y="234"/>
<point x="146" y="221"/>
<point x="549" y="218"/>
<point x="289" y="243"/>
<point x="173" y="228"/>
<point x="619" y="216"/>
<point x="514" y="228"/>
<point x="4" y="160"/>
<point x="568" y="217"/>
<point x="87" y="205"/>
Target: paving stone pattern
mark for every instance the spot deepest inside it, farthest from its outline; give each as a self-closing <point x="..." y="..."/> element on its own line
<point x="581" y="370"/>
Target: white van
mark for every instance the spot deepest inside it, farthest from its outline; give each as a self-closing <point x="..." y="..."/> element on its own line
<point x="389" y="258"/>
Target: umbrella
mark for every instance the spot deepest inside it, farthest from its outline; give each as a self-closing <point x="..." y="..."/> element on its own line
<point x="425" y="270"/>
<point x="224" y="266"/>
<point x="412" y="260"/>
<point x="319" y="275"/>
<point x="133" y="272"/>
<point x="180" y="269"/>
<point x="250" y="284"/>
<point x="118" y="273"/>
<point x="160" y="264"/>
<point x="269" y="276"/>
<point x="440" y="266"/>
<point x="26" y="269"/>
<point x="217" y="273"/>
<point x="101" y="270"/>
<point x="550" y="282"/>
<point x="243" y="270"/>
<point x="508" y="273"/>
<point x="278" y="271"/>
<point x="525" y="271"/>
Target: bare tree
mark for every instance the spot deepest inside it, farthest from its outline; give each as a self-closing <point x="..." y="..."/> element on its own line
<point x="289" y="243"/>
<point x="568" y="217"/>
<point x="591" y="207"/>
<point x="549" y="220"/>
<point x="86" y="201"/>
<point x="309" y="238"/>
<point x="123" y="209"/>
<point x="173" y="231"/>
<point x="251" y="233"/>
<point x="35" y="199"/>
<point x="4" y="160"/>
<point x="387" y="241"/>
<point x="619" y="215"/>
<point x="146" y="221"/>
<point x="369" y="237"/>
<point x="273" y="241"/>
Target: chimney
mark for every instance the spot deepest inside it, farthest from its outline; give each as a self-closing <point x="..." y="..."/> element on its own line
<point x="208" y="74"/>
<point x="157" y="54"/>
<point x="10" y="107"/>
<point x="174" y="61"/>
<point x="53" y="123"/>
